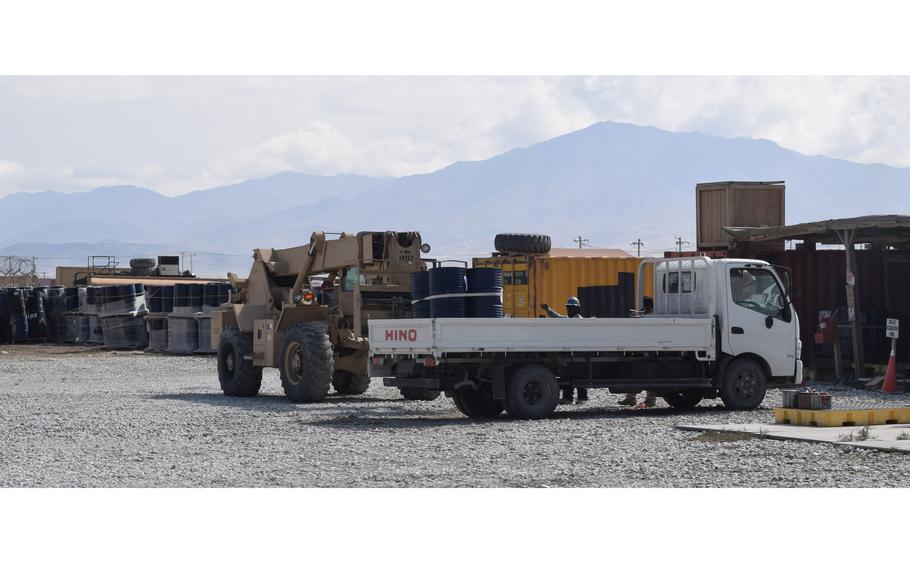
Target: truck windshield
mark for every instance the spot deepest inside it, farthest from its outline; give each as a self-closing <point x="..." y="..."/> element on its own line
<point x="757" y="290"/>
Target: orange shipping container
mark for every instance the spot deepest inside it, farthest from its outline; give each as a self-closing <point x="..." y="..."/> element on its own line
<point x="605" y="286"/>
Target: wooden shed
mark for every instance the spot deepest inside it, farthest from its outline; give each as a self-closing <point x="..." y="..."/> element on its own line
<point x="735" y="204"/>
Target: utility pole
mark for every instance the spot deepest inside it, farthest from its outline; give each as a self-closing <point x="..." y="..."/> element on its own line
<point x="581" y="242"/>
<point x="638" y="244"/>
<point x="680" y="243"/>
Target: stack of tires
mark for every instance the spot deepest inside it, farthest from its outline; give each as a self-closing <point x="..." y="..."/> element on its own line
<point x="55" y="310"/>
<point x="143" y="266"/>
<point x="6" y="329"/>
<point x="91" y="306"/>
<point x="160" y="303"/>
<point x="122" y="317"/>
<point x="36" y="308"/>
<point x="183" y="328"/>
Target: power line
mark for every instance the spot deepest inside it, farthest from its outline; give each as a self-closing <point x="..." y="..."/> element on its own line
<point x="638" y="244"/>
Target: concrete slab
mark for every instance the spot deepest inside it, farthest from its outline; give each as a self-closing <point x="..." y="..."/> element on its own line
<point x="883" y="437"/>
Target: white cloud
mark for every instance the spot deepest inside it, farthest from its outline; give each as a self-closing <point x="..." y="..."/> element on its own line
<point x="176" y="134"/>
<point x="11" y="170"/>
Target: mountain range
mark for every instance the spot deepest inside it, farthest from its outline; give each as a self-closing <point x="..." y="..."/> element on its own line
<point x="610" y="183"/>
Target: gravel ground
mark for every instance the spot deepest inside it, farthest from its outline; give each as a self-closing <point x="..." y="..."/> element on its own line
<point x="77" y="417"/>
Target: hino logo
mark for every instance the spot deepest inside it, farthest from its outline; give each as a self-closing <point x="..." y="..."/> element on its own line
<point x="401" y="335"/>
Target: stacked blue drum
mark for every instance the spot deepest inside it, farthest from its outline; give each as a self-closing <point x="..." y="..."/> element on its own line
<point x="456" y="292"/>
<point x="487" y="281"/>
<point x="420" y="289"/>
<point x="448" y="281"/>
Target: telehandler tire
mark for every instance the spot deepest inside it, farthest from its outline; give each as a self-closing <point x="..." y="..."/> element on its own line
<point x="477" y="403"/>
<point x="532" y="393"/>
<point x="744" y="385"/>
<point x="236" y="372"/>
<point x="522" y="243"/>
<point x="411" y="393"/>
<point x="306" y="364"/>
<point x="347" y="383"/>
<point x="683" y="400"/>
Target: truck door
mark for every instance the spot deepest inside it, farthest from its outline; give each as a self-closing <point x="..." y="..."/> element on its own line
<point x="760" y="319"/>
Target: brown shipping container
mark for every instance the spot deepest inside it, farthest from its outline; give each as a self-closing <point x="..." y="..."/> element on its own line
<point x="605" y="286"/>
<point x="735" y="204"/>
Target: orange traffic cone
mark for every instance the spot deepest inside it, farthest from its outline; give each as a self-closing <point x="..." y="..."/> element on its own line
<point x="890" y="384"/>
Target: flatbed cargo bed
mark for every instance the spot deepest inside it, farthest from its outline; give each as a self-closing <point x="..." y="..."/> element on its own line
<point x="516" y="335"/>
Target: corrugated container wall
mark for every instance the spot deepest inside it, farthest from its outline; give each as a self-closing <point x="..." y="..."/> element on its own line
<point x="605" y="286"/>
<point x="819" y="278"/>
<point x="735" y="204"/>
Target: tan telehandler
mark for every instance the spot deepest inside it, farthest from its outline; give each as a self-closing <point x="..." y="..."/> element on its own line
<point x="305" y="309"/>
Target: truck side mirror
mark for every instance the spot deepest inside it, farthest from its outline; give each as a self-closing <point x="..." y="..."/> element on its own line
<point x="769" y="321"/>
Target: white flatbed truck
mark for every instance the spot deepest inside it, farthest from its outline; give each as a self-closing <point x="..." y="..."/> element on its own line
<point x="718" y="328"/>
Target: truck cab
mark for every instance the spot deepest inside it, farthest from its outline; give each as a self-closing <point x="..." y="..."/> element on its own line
<point x="748" y="299"/>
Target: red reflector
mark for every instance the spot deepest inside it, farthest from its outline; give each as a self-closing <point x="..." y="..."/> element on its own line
<point x="429" y="362"/>
<point x="378" y="361"/>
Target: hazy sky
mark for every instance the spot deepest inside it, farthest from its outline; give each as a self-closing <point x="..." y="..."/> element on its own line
<point x="179" y="134"/>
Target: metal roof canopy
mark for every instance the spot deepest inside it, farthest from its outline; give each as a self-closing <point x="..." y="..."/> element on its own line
<point x="874" y="229"/>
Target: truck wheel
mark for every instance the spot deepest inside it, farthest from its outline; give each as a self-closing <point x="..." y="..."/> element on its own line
<point x="347" y="383"/>
<point x="477" y="403"/>
<point x="744" y="385"/>
<point x="411" y="393"/>
<point x="522" y="243"/>
<point x="236" y="372"/>
<point x="683" y="400"/>
<point x="532" y="393"/>
<point x="306" y="362"/>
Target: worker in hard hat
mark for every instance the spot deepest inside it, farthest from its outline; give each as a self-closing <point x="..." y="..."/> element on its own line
<point x="573" y="310"/>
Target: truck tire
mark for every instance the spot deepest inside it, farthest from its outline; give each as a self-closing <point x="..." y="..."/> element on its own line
<point x="744" y="385"/>
<point x="306" y="363"/>
<point x="477" y="403"/>
<point x="683" y="400"/>
<point x="522" y="242"/>
<point x="411" y="393"/>
<point x="145" y="263"/>
<point x="236" y="372"/>
<point x="532" y="393"/>
<point x="347" y="383"/>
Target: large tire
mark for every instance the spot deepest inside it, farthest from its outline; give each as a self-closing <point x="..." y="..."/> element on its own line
<point x="411" y="393"/>
<point x="306" y="364"/>
<point x="347" y="383"/>
<point x="532" y="393"/>
<point x="477" y="403"/>
<point x="683" y="400"/>
<point x="744" y="385"/>
<point x="143" y="263"/>
<point x="522" y="243"/>
<point x="236" y="372"/>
